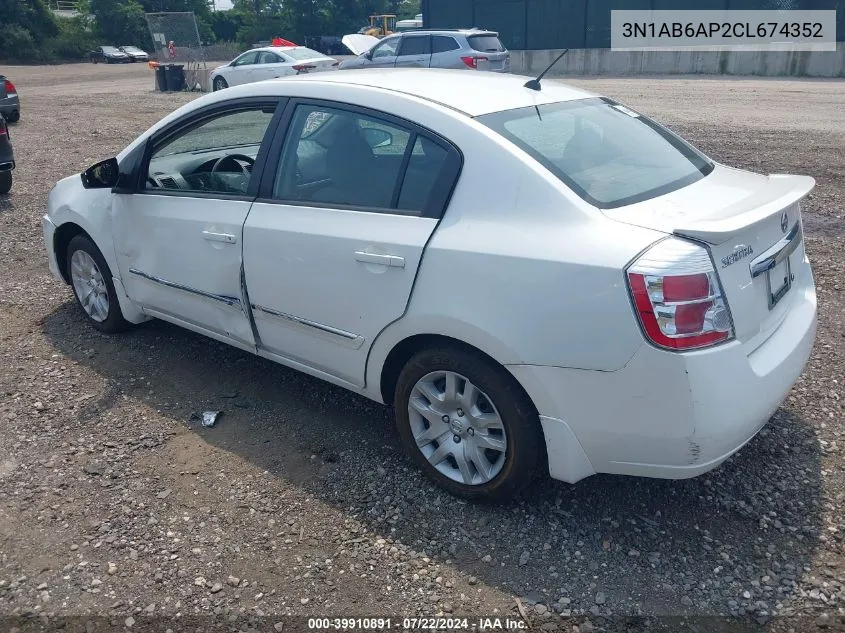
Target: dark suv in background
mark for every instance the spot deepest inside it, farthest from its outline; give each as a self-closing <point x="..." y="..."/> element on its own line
<point x="10" y="104"/>
<point x="467" y="49"/>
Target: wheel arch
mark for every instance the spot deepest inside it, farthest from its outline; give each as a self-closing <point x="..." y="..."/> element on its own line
<point x="61" y="239"/>
<point x="401" y="352"/>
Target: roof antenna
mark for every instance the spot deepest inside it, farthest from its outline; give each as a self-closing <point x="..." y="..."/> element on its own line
<point x="534" y="84"/>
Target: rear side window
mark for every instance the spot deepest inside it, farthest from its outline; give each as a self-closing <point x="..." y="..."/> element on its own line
<point x="486" y="43"/>
<point x="605" y="152"/>
<point x="352" y="160"/>
<point x="269" y="58"/>
<point x="302" y="53"/>
<point x="443" y="44"/>
<point x="415" y="46"/>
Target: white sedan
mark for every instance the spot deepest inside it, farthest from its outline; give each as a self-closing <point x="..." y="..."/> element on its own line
<point x="269" y="62"/>
<point x="534" y="279"/>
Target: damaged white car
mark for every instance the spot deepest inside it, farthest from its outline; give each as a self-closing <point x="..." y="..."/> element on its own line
<point x="535" y="277"/>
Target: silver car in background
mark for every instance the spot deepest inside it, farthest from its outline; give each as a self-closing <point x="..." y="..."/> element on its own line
<point x="468" y="49"/>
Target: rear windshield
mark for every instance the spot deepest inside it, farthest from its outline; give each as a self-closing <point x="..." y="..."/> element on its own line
<point x="605" y="152"/>
<point x="302" y="53"/>
<point x="486" y="43"/>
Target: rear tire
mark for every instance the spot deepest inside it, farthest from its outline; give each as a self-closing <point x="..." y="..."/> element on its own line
<point x="492" y="439"/>
<point x="92" y="285"/>
<point x="5" y="181"/>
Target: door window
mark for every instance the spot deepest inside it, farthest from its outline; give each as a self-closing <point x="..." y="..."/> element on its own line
<point x="334" y="157"/>
<point x="246" y="59"/>
<point x="443" y="44"/>
<point x="386" y="49"/>
<point x="415" y="46"/>
<point x="266" y="57"/>
<point x="214" y="156"/>
<point x="340" y="158"/>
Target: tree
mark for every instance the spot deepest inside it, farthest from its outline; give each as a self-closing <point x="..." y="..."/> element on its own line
<point x="121" y="22"/>
<point x="25" y="26"/>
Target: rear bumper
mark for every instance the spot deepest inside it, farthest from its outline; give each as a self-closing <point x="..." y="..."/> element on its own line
<point x="9" y="105"/>
<point x="670" y="415"/>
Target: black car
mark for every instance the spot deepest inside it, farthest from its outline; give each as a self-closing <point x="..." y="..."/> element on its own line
<point x="109" y="55"/>
<point x="10" y="103"/>
<point x="7" y="158"/>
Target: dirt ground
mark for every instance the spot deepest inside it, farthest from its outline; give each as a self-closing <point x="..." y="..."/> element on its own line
<point x="115" y="503"/>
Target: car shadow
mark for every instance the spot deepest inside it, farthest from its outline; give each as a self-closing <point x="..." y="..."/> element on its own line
<point x="759" y="511"/>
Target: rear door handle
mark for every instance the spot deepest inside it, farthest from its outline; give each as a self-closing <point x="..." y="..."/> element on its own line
<point x="226" y="238"/>
<point x="393" y="261"/>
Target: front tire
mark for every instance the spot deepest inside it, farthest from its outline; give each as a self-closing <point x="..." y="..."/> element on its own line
<point x="219" y="84"/>
<point x="467" y="424"/>
<point x="92" y="285"/>
<point x="5" y="181"/>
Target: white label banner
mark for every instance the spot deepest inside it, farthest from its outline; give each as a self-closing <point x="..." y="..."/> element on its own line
<point x="726" y="30"/>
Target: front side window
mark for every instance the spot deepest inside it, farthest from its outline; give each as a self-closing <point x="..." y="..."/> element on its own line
<point x="214" y="156"/>
<point x="606" y="153"/>
<point x="246" y="59"/>
<point x="334" y="157"/>
<point x="386" y="49"/>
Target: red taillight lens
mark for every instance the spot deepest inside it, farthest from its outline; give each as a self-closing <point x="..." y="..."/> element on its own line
<point x="679" y="307"/>
<point x="10" y="87"/>
<point x="472" y="61"/>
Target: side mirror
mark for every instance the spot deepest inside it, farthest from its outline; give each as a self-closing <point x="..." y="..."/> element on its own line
<point x="376" y="137"/>
<point x="103" y="175"/>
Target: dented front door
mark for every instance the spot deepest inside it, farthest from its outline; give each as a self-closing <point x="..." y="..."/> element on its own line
<point x="180" y="259"/>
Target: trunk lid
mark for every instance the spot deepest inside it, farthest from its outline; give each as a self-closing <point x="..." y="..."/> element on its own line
<point x="752" y="226"/>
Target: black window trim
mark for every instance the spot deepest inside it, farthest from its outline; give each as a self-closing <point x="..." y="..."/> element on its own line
<point x="442" y="191"/>
<point x="404" y="39"/>
<point x="135" y="165"/>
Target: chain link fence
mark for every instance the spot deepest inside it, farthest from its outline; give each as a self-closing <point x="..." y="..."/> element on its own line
<point x="176" y="39"/>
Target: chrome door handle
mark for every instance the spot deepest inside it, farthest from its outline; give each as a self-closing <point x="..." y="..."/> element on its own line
<point x="393" y="261"/>
<point x="226" y="238"/>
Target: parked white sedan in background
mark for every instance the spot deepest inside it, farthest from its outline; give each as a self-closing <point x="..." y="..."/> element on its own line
<point x="532" y="278"/>
<point x="270" y="62"/>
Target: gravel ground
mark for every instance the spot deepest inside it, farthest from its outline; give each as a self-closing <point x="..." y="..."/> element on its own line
<point x="115" y="502"/>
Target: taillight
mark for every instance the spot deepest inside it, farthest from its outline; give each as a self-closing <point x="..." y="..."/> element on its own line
<point x="678" y="298"/>
<point x="473" y="60"/>
<point x="300" y="67"/>
<point x="10" y="88"/>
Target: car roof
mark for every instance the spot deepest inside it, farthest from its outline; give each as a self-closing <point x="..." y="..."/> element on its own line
<point x="473" y="31"/>
<point x="275" y="49"/>
<point x="472" y="93"/>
